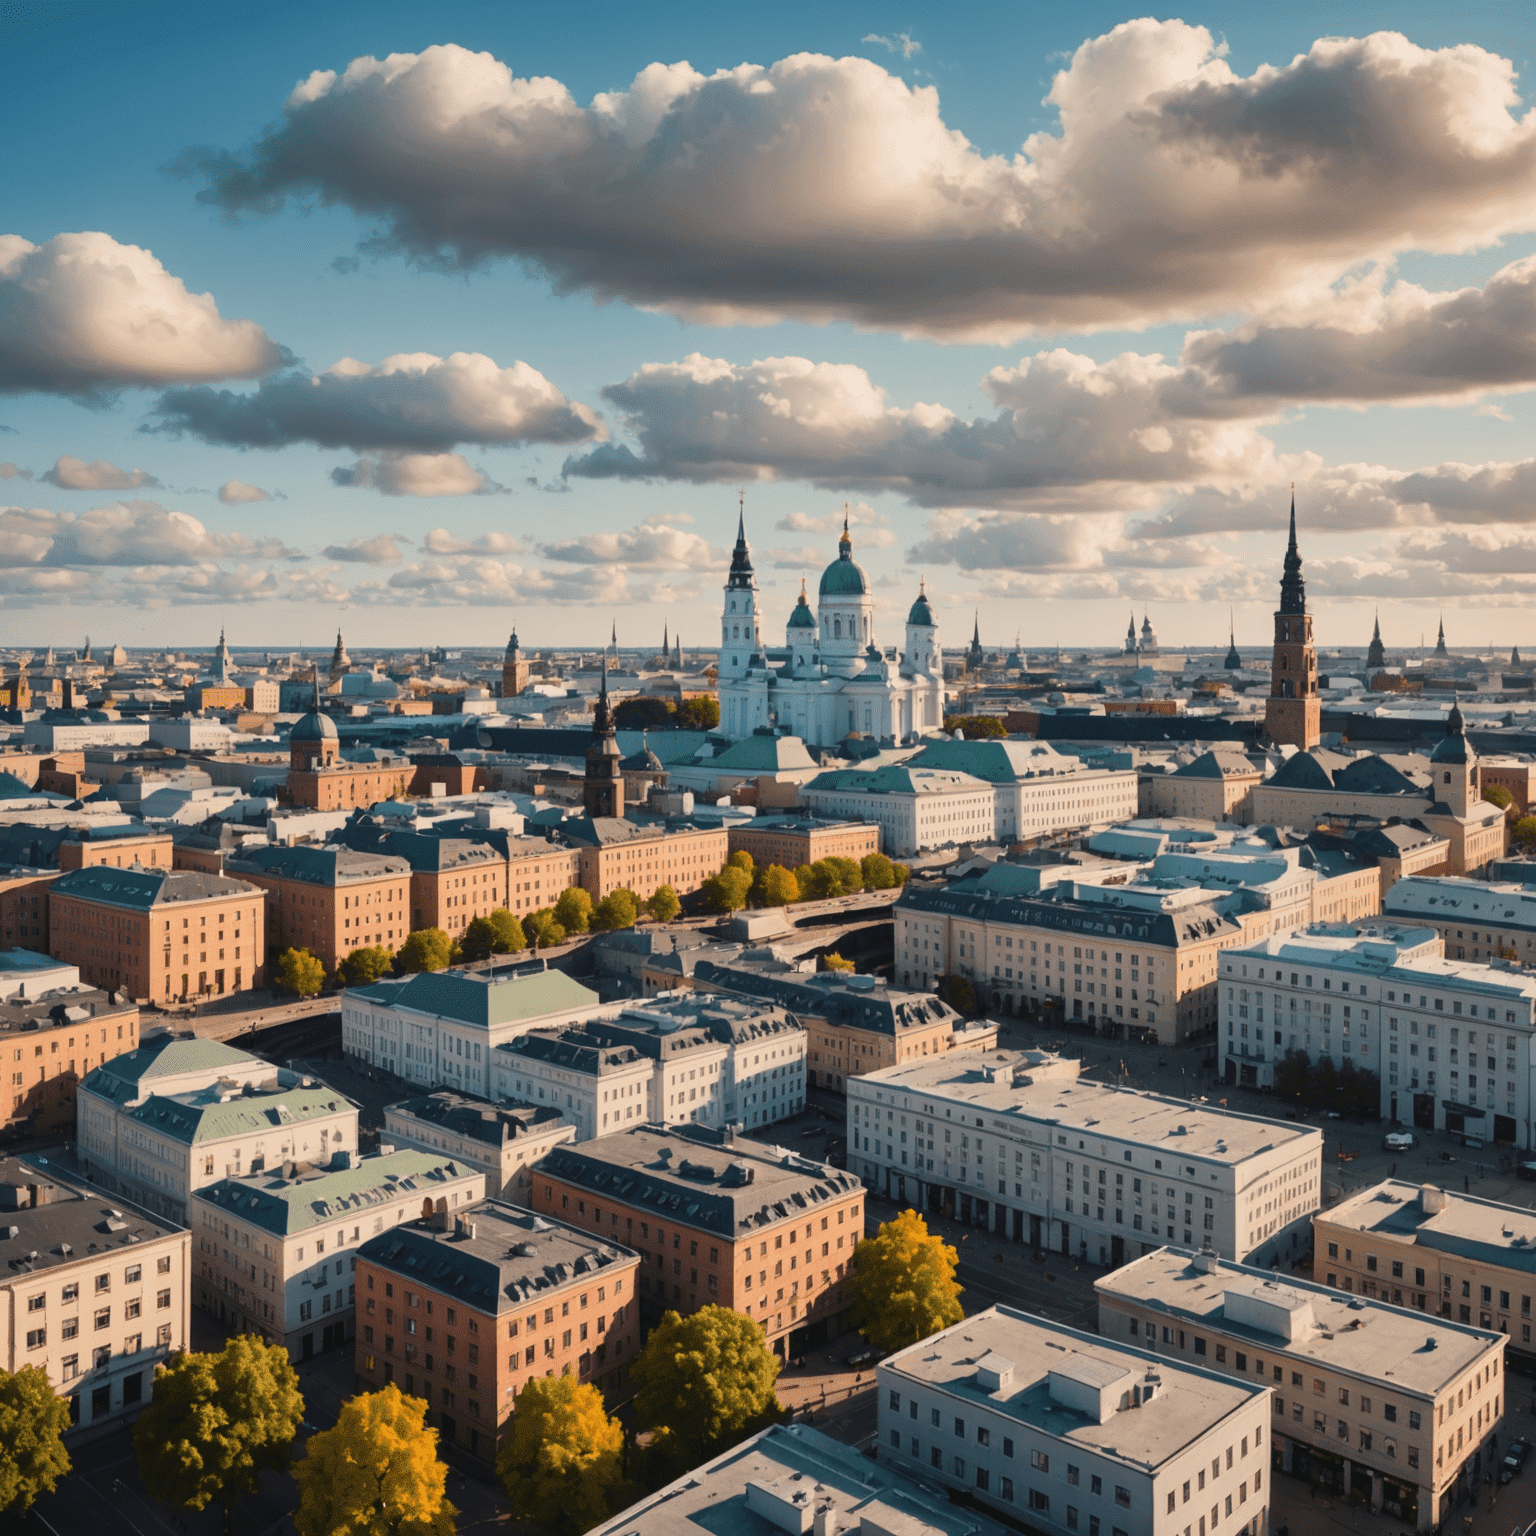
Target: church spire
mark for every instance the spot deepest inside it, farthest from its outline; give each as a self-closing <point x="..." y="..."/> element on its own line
<point x="741" y="557"/>
<point x="1293" y="589"/>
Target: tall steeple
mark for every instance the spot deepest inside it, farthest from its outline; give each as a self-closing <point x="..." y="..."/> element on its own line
<point x="975" y="656"/>
<point x="740" y="620"/>
<point x="1441" y="654"/>
<point x="340" y="661"/>
<point x="602" y="790"/>
<point x="515" y="671"/>
<point x="1293" y="712"/>
<point x="1233" y="661"/>
<point x="1376" y="655"/>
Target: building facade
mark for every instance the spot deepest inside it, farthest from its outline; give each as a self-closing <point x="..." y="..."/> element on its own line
<point x="502" y="1140"/>
<point x="465" y="1315"/>
<point x="718" y="1220"/>
<point x="1013" y="1142"/>
<point x="50" y="1039"/>
<point x="790" y="841"/>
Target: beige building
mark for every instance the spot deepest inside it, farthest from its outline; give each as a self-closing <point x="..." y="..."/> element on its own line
<point x="790" y="841"/>
<point x="1066" y="1431"/>
<point x="1214" y="787"/>
<point x="1363" y="1394"/>
<point x="1477" y="920"/>
<point x="1454" y="1255"/>
<point x="94" y="1295"/>
<point x="643" y="854"/>
<point x="537" y="872"/>
<point x="502" y="1140"/>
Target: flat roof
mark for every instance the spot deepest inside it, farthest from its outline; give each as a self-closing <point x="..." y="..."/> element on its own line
<point x="1189" y="1400"/>
<point x="1469" y="1227"/>
<point x="1393" y="1346"/>
<point x="985" y="1080"/>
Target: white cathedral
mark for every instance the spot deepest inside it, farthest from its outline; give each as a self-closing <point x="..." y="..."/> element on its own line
<point x="835" y="680"/>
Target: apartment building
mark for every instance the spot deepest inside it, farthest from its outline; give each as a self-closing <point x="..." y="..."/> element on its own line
<point x="1364" y="1395"/>
<point x="1012" y="1141"/>
<point x="1449" y="1039"/>
<point x="694" y="1058"/>
<point x="1437" y="1251"/>
<point x="328" y="900"/>
<point x="1064" y="1431"/>
<point x="78" y="1264"/>
<point x="51" y="1037"/>
<point x="438" y="1029"/>
<point x="798" y="1480"/>
<point x="159" y="935"/>
<point x="24" y="907"/>
<point x="537" y="872"/>
<point x="160" y="1122"/>
<point x="790" y="841"/>
<point x="276" y="1252"/>
<point x="1133" y="954"/>
<point x="1478" y="920"/>
<point x="853" y="1023"/>
<point x="914" y="808"/>
<point x="1211" y="787"/>
<point x="501" y="1140"/>
<point x="464" y="1315"/>
<point x="718" y="1220"/>
<point x="643" y="853"/>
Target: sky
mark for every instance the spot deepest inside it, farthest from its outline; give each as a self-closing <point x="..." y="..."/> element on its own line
<point x="433" y="322"/>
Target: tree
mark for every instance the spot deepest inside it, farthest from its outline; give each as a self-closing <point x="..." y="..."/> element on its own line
<point x="375" y="1473"/>
<point x="542" y="929"/>
<point x="664" y="905"/>
<point x="573" y="910"/>
<point x="1524" y="832"/>
<point x="807" y="882"/>
<point x="699" y="714"/>
<point x="778" y="887"/>
<point x="904" y="1283"/>
<point x="563" y="1457"/>
<point x="835" y="962"/>
<point x="33" y="1418"/>
<point x="741" y="859"/>
<point x="727" y="891"/>
<point x="879" y="873"/>
<point x="364" y="966"/>
<point x="217" y="1422"/>
<point x="703" y="1382"/>
<point x="900" y="873"/>
<point x="845" y="876"/>
<point x="641" y="714"/>
<point x="976" y="727"/>
<point x="960" y="994"/>
<point x="298" y="971"/>
<point x="479" y="941"/>
<point x="509" y="932"/>
<point x="1496" y="794"/>
<point x="618" y="909"/>
<point x="425" y="949"/>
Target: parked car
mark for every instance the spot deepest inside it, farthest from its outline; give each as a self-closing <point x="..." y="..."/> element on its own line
<point x="863" y="1357"/>
<point x="1332" y="1114"/>
<point x="1397" y="1141"/>
<point x="1514" y="1461"/>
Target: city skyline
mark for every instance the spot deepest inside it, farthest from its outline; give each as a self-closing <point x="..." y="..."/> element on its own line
<point x="256" y="369"/>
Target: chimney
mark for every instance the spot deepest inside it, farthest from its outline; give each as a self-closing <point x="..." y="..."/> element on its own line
<point x="825" y="1523"/>
<point x="1431" y="1199"/>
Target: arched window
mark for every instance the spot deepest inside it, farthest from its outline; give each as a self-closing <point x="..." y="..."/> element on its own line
<point x="837" y="629"/>
<point x="1447" y="778"/>
<point x="1285" y="663"/>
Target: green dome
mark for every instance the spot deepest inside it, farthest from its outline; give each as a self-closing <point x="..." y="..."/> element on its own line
<point x="843" y="578"/>
<point x="802" y="617"/>
<point x="921" y="613"/>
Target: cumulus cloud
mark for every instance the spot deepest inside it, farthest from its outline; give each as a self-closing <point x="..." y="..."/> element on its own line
<point x="417" y="474"/>
<point x="1070" y="431"/>
<point x="651" y="546"/>
<point x="13" y="472"/>
<point x="411" y="402"/>
<point x="383" y="549"/>
<point x="829" y="189"/>
<point x="74" y="475"/>
<point x="82" y="315"/>
<point x="477" y="581"/>
<point x="123" y="534"/>
<point x="440" y="542"/>
<point x="235" y="491"/>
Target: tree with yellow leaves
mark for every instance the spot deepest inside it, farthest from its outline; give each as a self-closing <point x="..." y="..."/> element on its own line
<point x="376" y="1473"/>
<point x="564" y="1455"/>
<point x="904" y="1283"/>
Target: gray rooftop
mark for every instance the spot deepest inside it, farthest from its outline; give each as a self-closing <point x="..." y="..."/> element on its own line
<point x="699" y="1177"/>
<point x="496" y="1257"/>
<point x="479" y="1119"/>
<point x="125" y="1077"/>
<point x="326" y="866"/>
<point x="482" y="999"/>
<point x="140" y="889"/>
<point x="1410" y="1215"/>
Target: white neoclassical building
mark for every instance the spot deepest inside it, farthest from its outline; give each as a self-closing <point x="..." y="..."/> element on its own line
<point x="835" y="679"/>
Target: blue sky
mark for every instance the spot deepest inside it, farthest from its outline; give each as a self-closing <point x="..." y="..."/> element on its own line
<point x="964" y="342"/>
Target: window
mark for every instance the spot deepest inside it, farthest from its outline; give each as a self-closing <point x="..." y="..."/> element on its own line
<point x="36" y="1338"/>
<point x="1040" y="1461"/>
<point x="1122" y="1497"/>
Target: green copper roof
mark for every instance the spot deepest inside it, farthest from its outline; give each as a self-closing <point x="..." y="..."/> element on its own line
<point x="476" y="1000"/>
<point x="844" y="578"/>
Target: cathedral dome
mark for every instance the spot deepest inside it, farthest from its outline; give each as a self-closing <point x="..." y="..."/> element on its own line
<point x="314" y="727"/>
<point x="802" y="617"/>
<point x="843" y="578"/>
<point x="921" y="613"/>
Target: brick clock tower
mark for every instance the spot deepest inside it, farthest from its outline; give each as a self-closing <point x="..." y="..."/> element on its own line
<point x="1292" y="713"/>
<point x="514" y="670"/>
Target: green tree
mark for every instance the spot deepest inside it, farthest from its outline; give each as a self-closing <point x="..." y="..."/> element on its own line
<point x="425" y="949"/>
<point x="976" y="727"/>
<point x="835" y="962"/>
<point x="703" y="1382"/>
<point x="900" y="873"/>
<point x="778" y="887"/>
<point x="904" y="1283"/>
<point x="664" y="905"/>
<point x="509" y="932"/>
<point x="618" y="909"/>
<point x="564" y="1455"/>
<point x="298" y="971"/>
<point x="699" y="714"/>
<point x="727" y="891"/>
<point x="542" y="929"/>
<point x="1496" y="794"/>
<point x="808" y="881"/>
<point x="375" y="1473"/>
<point x="33" y="1418"/>
<point x="216" y="1423"/>
<point x="479" y="941"/>
<point x="641" y="714"/>
<point x="960" y="994"/>
<point x="741" y="859"/>
<point x="573" y="910"/>
<point x="364" y="966"/>
<point x="1524" y="832"/>
<point x="878" y="871"/>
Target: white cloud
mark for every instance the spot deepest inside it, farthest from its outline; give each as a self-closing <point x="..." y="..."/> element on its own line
<point x="383" y="549"/>
<point x="440" y="542"/>
<point x="235" y="491"/>
<point x="12" y="472"/>
<point x="651" y="546"/>
<point x="417" y="474"/>
<point x="75" y="475"/>
<point x="413" y="402"/>
<point x="897" y="42"/>
<point x="477" y="581"/>
<point x="829" y="189"/>
<point x="123" y="534"/>
<point x="82" y="315"/>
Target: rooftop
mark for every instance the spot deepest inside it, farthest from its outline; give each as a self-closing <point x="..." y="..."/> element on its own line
<point x="1453" y="900"/>
<point x="1415" y="1352"/>
<point x="479" y="1119"/>
<point x="125" y="1077"/>
<point x="1009" y="1083"/>
<point x="141" y="889"/>
<point x="317" y="866"/>
<point x="1409" y="1214"/>
<point x="1074" y="1386"/>
<point x="496" y="1257"/>
<point x="700" y="1177"/>
<point x="484" y="999"/>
